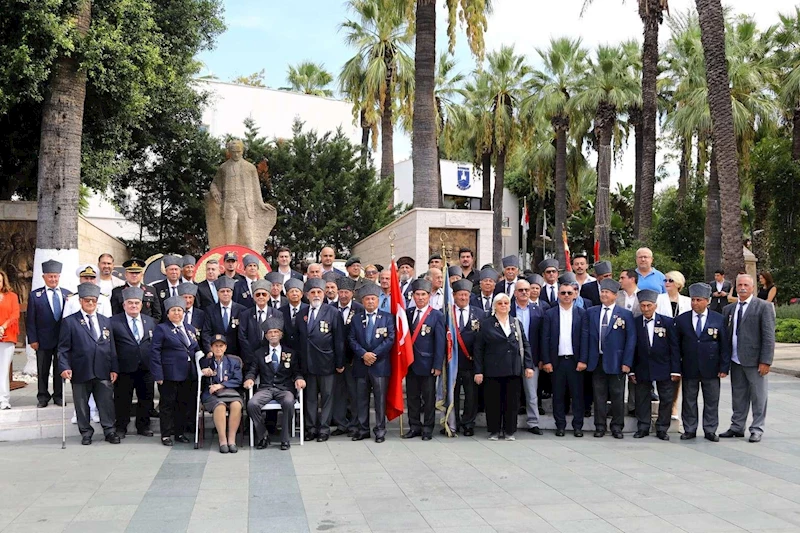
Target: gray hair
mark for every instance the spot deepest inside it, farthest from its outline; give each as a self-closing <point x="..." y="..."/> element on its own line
<point x="752" y="280"/>
<point x="499" y="296"/>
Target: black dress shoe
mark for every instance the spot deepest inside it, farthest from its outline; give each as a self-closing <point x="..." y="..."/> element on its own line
<point x="357" y="437"/>
<point x="690" y="436"/>
<point x="380" y="439"/>
<point x="113" y="438"/>
<point x="662" y="435"/>
<point x="86" y="440"/>
<point x="166" y="441"/>
<point x="426" y="437"/>
<point x="310" y="436"/>
<point x="469" y="432"/>
<point x="285" y="446"/>
<point x="640" y="434"/>
<point x="599" y="434"/>
<point x="755" y="437"/>
<point x="182" y="438"/>
<point x="712" y="437"/>
<point x="410" y="434"/>
<point x="41" y="404"/>
<point x="336" y="432"/>
<point x="58" y="402"/>
<point x="145" y="432"/>
<point x="121" y="434"/>
<point x="559" y="433"/>
<point x="616" y="434"/>
<point x="578" y="433"/>
<point x="263" y="443"/>
<point x="352" y="433"/>
<point x="632" y="412"/>
<point x="541" y="411"/>
<point x="535" y="430"/>
<point x="153" y="413"/>
<point x="323" y="438"/>
<point x="730" y="434"/>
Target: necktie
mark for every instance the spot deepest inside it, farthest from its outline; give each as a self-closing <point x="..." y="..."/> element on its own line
<point x="187" y="318"/>
<point x="312" y="318"/>
<point x="225" y="318"/>
<point x="56" y="305"/>
<point x="739" y="316"/>
<point x="90" y="325"/>
<point x="174" y="291"/>
<point x="260" y="316"/>
<point x="699" y="328"/>
<point x="552" y="295"/>
<point x="603" y="327"/>
<point x="416" y="317"/>
<point x="136" y="334"/>
<point x="486" y="304"/>
<point x="508" y="288"/>
<point x="647" y="329"/>
<point x="213" y="289"/>
<point x="294" y="314"/>
<point x="274" y="360"/>
<point x="184" y="337"/>
<point x="461" y="322"/>
<point x="370" y="325"/>
<point x="274" y="304"/>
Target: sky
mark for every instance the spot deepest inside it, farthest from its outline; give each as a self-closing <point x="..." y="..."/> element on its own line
<point x="272" y="35"/>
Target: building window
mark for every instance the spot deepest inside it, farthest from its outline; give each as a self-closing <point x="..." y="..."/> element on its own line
<point x="461" y="202"/>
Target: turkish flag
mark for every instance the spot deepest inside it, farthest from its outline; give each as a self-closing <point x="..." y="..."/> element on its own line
<point x="402" y="352"/>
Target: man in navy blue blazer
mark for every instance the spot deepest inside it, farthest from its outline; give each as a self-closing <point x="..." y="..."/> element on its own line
<point x="250" y="321"/>
<point x="608" y="342"/>
<point x="194" y="316"/>
<point x="242" y="291"/>
<point x="371" y="338"/>
<point x="705" y="354"/>
<point x="468" y="320"/>
<point x="531" y="316"/>
<point x="428" y="339"/>
<point x="133" y="332"/>
<point x="291" y="312"/>
<point x="485" y="296"/>
<point x="345" y="393"/>
<point x="657" y="358"/>
<point x="561" y="357"/>
<point x="43" y="320"/>
<point x="223" y="318"/>
<point x="88" y="357"/>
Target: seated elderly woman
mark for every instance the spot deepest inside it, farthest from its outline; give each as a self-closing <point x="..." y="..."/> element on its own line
<point x="222" y="375"/>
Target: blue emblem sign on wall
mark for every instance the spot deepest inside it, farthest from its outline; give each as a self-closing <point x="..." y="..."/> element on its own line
<point x="463" y="182"/>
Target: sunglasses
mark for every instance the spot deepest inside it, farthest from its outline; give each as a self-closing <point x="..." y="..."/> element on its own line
<point x="261" y="293"/>
<point x="566" y="293"/>
<point x="669" y="280"/>
<point x="522" y="290"/>
<point x="371" y="272"/>
<point x="550" y="271"/>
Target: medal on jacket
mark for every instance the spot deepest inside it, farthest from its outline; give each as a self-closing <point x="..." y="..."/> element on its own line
<point x="162" y="294"/>
<point x="287" y="359"/>
<point x="324" y="327"/>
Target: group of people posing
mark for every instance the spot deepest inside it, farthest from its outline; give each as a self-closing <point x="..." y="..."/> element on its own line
<point x="331" y="333"/>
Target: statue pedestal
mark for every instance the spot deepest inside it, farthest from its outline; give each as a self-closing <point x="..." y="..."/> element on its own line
<point x="419" y="232"/>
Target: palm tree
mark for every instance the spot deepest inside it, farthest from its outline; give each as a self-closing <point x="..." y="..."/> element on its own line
<point x="564" y="65"/>
<point x="633" y="59"/>
<point x="308" y="77"/>
<point x="352" y="85"/>
<point x="608" y="89"/>
<point x="381" y="38"/>
<point x="424" y="147"/>
<point x="471" y="129"/>
<point x="787" y="56"/>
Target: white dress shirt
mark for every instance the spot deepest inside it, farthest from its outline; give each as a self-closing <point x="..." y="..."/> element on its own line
<point x="139" y="325"/>
<point x="650" y="324"/>
<point x="630" y="300"/>
<point x="547" y="291"/>
<point x="703" y="319"/>
<point x="735" y="353"/>
<point x="346" y="311"/>
<point x="55" y="293"/>
<point x="565" y="331"/>
<point x="505" y="325"/>
<point x="437" y="299"/>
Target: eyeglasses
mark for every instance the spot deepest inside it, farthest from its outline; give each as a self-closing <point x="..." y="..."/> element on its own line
<point x="371" y="272"/>
<point x="669" y="280"/>
<point x="550" y="271"/>
<point x="566" y="293"/>
<point x="261" y="293"/>
<point x="522" y="290"/>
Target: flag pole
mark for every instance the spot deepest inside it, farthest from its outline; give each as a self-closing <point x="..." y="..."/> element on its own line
<point x="392" y="237"/>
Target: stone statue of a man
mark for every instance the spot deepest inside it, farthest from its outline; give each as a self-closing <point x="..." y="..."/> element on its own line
<point x="235" y="210"/>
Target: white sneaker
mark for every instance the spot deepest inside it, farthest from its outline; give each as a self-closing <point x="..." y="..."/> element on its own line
<point x="510" y="438"/>
<point x="494" y="436"/>
<point x="95" y="417"/>
<point x="74" y="419"/>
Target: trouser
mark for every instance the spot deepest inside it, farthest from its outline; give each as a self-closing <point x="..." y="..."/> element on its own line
<point x="45" y="360"/>
<point x="631" y="404"/>
<point x="666" y="389"/>
<point x="689" y="409"/>
<point x="465" y="379"/>
<point x="567" y="380"/>
<point x="529" y="385"/>
<point x="378" y="386"/>
<point x="126" y="383"/>
<point x="502" y="403"/>
<point x="588" y="391"/>
<point x="608" y="386"/>
<point x="319" y="395"/>
<point x="175" y="398"/>
<point x="6" y="356"/>
<point x="748" y="390"/>
<point x="421" y="397"/>
<point x="344" y="400"/>
<point x="261" y="398"/>
<point x="103" y="395"/>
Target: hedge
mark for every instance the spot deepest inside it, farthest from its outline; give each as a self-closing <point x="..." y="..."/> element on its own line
<point x="787" y="330"/>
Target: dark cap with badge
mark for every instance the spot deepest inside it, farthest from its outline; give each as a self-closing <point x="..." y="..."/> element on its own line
<point x="51" y="266"/>
<point x="134" y="265"/>
<point x="231" y="256"/>
<point x="352" y="261"/>
<point x="219" y="337"/>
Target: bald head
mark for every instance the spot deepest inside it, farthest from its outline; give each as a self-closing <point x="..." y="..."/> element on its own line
<point x="326" y="257"/>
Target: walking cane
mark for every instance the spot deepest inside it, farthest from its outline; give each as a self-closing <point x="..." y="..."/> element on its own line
<point x="63" y="414"/>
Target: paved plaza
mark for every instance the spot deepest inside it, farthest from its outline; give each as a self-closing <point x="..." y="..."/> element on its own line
<point x="464" y="485"/>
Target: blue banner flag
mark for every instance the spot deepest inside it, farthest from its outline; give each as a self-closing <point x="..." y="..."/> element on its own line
<point x="446" y="384"/>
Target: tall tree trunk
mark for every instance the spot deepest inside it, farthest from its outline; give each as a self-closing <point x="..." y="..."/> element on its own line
<point x="651" y="14"/>
<point x="497" y="208"/>
<point x="636" y="121"/>
<point x="59" y="175"/>
<point x="713" y="235"/>
<point x="604" y="127"/>
<point x="486" y="171"/>
<point x="683" y="171"/>
<point x="761" y="205"/>
<point x="796" y="134"/>
<point x="423" y="138"/>
<point x="387" y="131"/>
<point x="365" y="130"/>
<point x="439" y="193"/>
<point x="712" y="33"/>
<point x="561" y="125"/>
<point x="702" y="159"/>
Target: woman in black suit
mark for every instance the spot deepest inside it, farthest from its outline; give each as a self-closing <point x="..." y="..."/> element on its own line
<point x="500" y="359"/>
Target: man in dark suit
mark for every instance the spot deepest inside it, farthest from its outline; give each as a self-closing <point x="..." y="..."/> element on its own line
<point x="133" y="332"/>
<point x="345" y="394"/>
<point x="531" y="316"/>
<point x="231" y="261"/>
<point x="87" y="356"/>
<point x="657" y="358"/>
<point x="43" y="320"/>
<point x="242" y="291"/>
<point x="331" y="288"/>
<point x="151" y="303"/>
<point x="705" y="352"/>
<point x="194" y="316"/>
<point x="428" y="339"/>
<point x="720" y="289"/>
<point x="484" y="298"/>
<point x="543" y="379"/>
<point x="283" y="268"/>
<point x="276" y="292"/>
<point x="549" y="271"/>
<point x="206" y="290"/>
<point x="278" y="370"/>
<point x="250" y="332"/>
<point x="326" y="257"/>
<point x="370" y="339"/>
<point x="468" y="318"/>
<point x="291" y="311"/>
<point x="751" y="326"/>
<point x="405" y="269"/>
<point x="608" y="341"/>
<point x="590" y="291"/>
<point x="322" y="339"/>
<point x="167" y="288"/>
<point x="223" y="318"/>
<point x="561" y="351"/>
<point x="510" y="273"/>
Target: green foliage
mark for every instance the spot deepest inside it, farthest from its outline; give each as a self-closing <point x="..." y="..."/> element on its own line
<point x="787" y="311"/>
<point x="627" y="259"/>
<point x="787" y="279"/>
<point x="678" y="231"/>
<point x="787" y="330"/>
